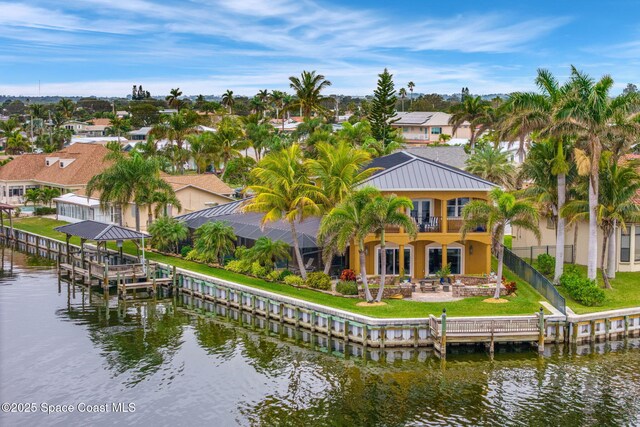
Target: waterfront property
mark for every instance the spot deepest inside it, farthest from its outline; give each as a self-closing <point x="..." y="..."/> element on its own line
<point x="438" y="191"/>
<point x="67" y="170"/>
<point x="426" y="127"/>
<point x="195" y="192"/>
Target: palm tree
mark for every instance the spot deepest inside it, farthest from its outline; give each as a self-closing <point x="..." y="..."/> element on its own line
<point x="263" y="95"/>
<point x="129" y="179"/>
<point x="161" y="200"/>
<point x="492" y="164"/>
<point x="411" y="85"/>
<point x="616" y="206"/>
<point x="259" y="135"/>
<point x="379" y="149"/>
<point x="176" y="129"/>
<point x="355" y="134"/>
<point x="338" y="170"/>
<point x="403" y="94"/>
<point x="167" y="232"/>
<point x="283" y="191"/>
<point x="549" y="171"/>
<point x="16" y="143"/>
<point x="173" y="99"/>
<point x="118" y="126"/>
<point x="385" y="211"/>
<point x="202" y="146"/>
<point x="37" y="111"/>
<point x="473" y="110"/>
<point x="228" y="141"/>
<point x="544" y="105"/>
<point x="308" y="89"/>
<point x="67" y="107"/>
<point x="32" y="195"/>
<point x="227" y="100"/>
<point x="346" y="225"/>
<point x="258" y="106"/>
<point x="276" y="98"/>
<point x="496" y="213"/>
<point x="518" y="123"/>
<point x="587" y="112"/>
<point x="214" y="240"/>
<point x="48" y="194"/>
<point x="267" y="251"/>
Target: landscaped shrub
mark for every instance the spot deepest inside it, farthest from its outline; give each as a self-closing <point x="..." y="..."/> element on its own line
<point x="285" y="273"/>
<point x="192" y="255"/>
<point x="347" y="288"/>
<point x="239" y="266"/>
<point x="274" y="276"/>
<point x="318" y="280"/>
<point x="294" y="280"/>
<point x="348" y="275"/>
<point x="258" y="270"/>
<point x="185" y="251"/>
<point x="582" y="289"/>
<point x="44" y="211"/>
<point x="546" y="264"/>
<point x="511" y="287"/>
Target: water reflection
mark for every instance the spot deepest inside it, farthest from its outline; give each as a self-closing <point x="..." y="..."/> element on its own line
<point x="186" y="361"/>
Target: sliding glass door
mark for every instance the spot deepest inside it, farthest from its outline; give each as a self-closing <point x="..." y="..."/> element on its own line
<point x="392" y="265"/>
<point x="454" y="257"/>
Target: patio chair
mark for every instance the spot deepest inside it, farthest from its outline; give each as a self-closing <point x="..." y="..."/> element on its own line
<point x="309" y="266"/>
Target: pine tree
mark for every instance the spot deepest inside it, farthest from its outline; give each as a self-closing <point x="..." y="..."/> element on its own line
<point x="383" y="108"/>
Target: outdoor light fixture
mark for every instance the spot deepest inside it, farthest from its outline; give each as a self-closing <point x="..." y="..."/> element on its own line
<point x="119" y="243"/>
<point x="470" y="249"/>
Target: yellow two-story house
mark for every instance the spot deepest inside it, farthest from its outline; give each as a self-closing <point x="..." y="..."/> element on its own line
<point x="439" y="192"/>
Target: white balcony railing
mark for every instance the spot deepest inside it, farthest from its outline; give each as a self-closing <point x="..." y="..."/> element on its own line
<point x="417" y="137"/>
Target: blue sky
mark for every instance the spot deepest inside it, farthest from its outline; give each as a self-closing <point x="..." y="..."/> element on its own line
<point x="103" y="47"/>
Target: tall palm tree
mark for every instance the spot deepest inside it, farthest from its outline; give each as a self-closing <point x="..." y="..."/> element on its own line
<point x="308" y="88"/>
<point x="619" y="184"/>
<point x="338" y="170"/>
<point x="214" y="240"/>
<point x="473" y="110"/>
<point x="67" y="107"/>
<point x="173" y="99"/>
<point x="492" y="164"/>
<point x="283" y="191"/>
<point x="276" y="98"/>
<point x="411" y="85"/>
<point x="258" y="136"/>
<point x="545" y="105"/>
<point x="37" y="111"/>
<point x="496" y="213"/>
<point x="167" y="232"/>
<point x="177" y="127"/>
<point x="263" y="95"/>
<point x="519" y="123"/>
<point x="258" y="106"/>
<point x="130" y="179"/>
<point x="587" y="112"/>
<point x="549" y="170"/>
<point x="346" y="225"/>
<point x="403" y="94"/>
<point x="382" y="212"/>
<point x="228" y="100"/>
<point x="267" y="251"/>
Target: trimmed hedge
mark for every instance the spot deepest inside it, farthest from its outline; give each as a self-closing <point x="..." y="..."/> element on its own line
<point x="347" y="288"/>
<point x="318" y="280"/>
<point x="44" y="211"/>
<point x="546" y="264"/>
<point x="582" y="289"/>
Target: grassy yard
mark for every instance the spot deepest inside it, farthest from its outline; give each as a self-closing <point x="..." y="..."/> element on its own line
<point x="526" y="300"/>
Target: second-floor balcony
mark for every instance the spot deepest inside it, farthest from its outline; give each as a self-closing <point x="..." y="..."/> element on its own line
<point x="434" y="224"/>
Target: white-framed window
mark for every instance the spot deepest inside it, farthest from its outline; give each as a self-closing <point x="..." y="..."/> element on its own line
<point x="454" y="206"/>
<point x="436" y="131"/>
<point x="637" y="242"/>
<point x="625" y="245"/>
<point x="422" y="210"/>
<point x="393" y="260"/>
<point x="455" y="257"/>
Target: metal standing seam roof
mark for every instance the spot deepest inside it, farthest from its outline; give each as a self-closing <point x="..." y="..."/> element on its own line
<point x="412" y="172"/>
<point x="248" y="224"/>
<point x="100" y="231"/>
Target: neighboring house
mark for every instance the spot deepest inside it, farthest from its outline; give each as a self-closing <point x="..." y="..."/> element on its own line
<point x="140" y="134"/>
<point x="195" y="192"/>
<point x="577" y="235"/>
<point x="94" y="128"/>
<point x="422" y="127"/>
<point x="68" y="170"/>
<point x="439" y="192"/>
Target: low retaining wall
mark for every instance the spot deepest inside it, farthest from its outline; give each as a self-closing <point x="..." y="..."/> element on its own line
<point x="464" y="291"/>
<point x="351" y="327"/>
<point x="387" y="292"/>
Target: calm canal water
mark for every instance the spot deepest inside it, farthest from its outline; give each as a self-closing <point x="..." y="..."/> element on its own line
<point x="177" y="368"/>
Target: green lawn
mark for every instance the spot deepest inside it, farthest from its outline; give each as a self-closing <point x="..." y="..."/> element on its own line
<point x="526" y="300"/>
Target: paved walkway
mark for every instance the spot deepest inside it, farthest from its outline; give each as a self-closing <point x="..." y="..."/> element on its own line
<point x="434" y="297"/>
